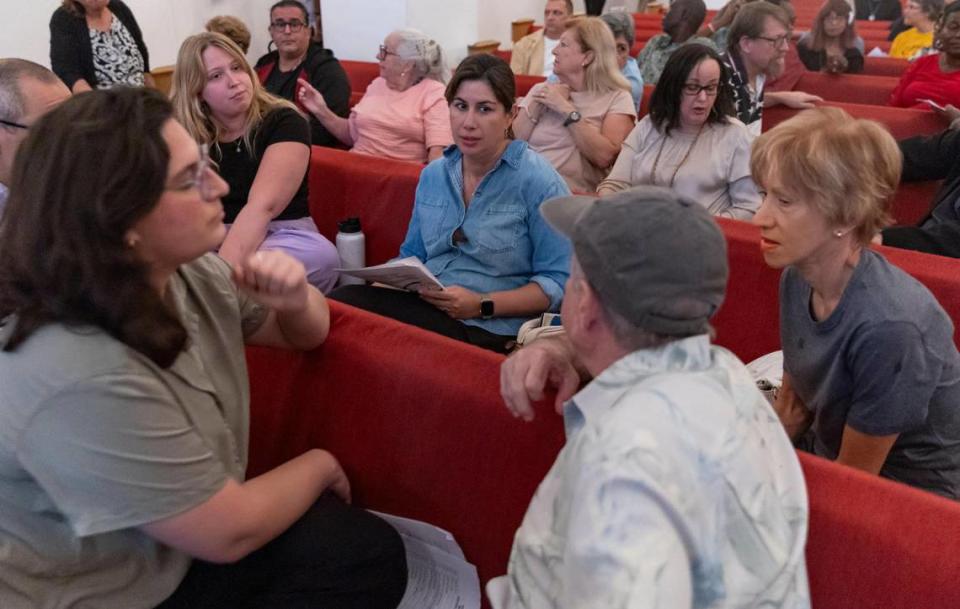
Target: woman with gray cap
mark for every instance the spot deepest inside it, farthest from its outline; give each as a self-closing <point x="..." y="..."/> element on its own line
<point x="870" y="366"/>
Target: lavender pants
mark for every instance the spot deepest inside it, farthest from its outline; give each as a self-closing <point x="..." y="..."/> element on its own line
<point x="300" y="239"/>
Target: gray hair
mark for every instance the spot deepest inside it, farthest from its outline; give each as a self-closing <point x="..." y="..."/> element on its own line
<point x="12" y="72"/>
<point x="424" y="52"/>
<point x="621" y="24"/>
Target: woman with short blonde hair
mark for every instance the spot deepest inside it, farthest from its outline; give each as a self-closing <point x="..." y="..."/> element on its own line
<point x="870" y="367"/>
<point x="580" y="122"/>
<point x="261" y="144"/>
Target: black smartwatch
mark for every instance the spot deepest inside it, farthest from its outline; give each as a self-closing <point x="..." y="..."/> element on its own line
<point x="573" y="117"/>
<point x="486" y="306"/>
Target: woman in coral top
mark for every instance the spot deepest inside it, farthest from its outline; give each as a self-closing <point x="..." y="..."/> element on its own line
<point x="403" y="114"/>
<point x="934" y="77"/>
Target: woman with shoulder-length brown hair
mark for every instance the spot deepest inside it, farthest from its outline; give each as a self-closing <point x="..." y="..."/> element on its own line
<point x="832" y="45"/>
<point x="261" y="144"/>
<point x="124" y="398"/>
<point x="579" y="123"/>
<point x="97" y="44"/>
<point x="870" y="367"/>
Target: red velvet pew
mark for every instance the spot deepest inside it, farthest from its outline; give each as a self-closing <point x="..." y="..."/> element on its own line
<point x="884" y="66"/>
<point x="849" y="88"/>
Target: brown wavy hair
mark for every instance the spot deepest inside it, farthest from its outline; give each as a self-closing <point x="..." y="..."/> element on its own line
<point x="818" y="35"/>
<point x="86" y="173"/>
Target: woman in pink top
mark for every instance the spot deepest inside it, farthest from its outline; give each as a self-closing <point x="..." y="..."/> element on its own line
<point x="403" y="114"/>
<point x="934" y="77"/>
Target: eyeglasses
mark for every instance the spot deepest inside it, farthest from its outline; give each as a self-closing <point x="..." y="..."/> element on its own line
<point x="13" y="124"/>
<point x="382" y="54"/>
<point x="200" y="178"/>
<point x="295" y="25"/>
<point x="693" y="89"/>
<point x="777" y="42"/>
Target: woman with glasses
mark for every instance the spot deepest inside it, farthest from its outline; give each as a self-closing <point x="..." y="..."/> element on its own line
<point x="97" y="44"/>
<point x="579" y="123"/>
<point x="832" y="44"/>
<point x="921" y="17"/>
<point x="261" y="145"/>
<point x="403" y="114"/>
<point x="934" y="77"/>
<point x="689" y="141"/>
<point x="124" y="398"/>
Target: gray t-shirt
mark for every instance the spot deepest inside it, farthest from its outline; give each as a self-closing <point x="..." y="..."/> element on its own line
<point x="884" y="363"/>
<point x="97" y="440"/>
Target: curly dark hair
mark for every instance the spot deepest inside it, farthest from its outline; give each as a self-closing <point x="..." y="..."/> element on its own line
<point x="86" y="173"/>
<point x="665" y="101"/>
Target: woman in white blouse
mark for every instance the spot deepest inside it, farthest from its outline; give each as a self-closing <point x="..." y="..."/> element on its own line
<point x="690" y="141"/>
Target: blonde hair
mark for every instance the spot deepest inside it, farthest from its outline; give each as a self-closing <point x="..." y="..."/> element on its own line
<point x="232" y="28"/>
<point x="426" y="55"/>
<point x="847" y="168"/>
<point x="603" y="73"/>
<point x="190" y="77"/>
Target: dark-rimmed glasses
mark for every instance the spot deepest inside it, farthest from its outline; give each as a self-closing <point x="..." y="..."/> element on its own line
<point x="295" y="25"/>
<point x="777" y="42"/>
<point x="693" y="89"/>
<point x="13" y="124"/>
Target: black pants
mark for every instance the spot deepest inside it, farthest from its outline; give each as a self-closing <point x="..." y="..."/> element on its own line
<point x="411" y="309"/>
<point x="334" y="557"/>
<point x="594" y="7"/>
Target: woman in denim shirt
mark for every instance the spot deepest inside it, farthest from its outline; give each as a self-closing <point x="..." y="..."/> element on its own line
<point x="476" y="223"/>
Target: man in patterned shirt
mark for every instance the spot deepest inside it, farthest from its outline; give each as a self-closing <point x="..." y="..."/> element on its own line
<point x="677" y="487"/>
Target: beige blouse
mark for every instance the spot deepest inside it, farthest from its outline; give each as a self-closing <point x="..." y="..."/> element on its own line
<point x="716" y="174"/>
<point x="554" y="141"/>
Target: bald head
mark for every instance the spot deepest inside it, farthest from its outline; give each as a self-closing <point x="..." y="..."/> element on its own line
<point x="27" y="92"/>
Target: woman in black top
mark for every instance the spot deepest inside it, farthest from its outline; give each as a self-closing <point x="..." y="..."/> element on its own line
<point x="832" y="45"/>
<point x="261" y="145"/>
<point x="97" y="44"/>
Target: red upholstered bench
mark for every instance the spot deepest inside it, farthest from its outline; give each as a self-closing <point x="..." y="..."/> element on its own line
<point x="850" y="88"/>
<point x="360" y="74"/>
<point x="378" y="191"/>
<point x="418" y="424"/>
<point x="884" y="66"/>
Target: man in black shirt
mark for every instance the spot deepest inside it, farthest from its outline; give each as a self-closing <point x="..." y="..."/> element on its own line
<point x="932" y="158"/>
<point x="298" y="57"/>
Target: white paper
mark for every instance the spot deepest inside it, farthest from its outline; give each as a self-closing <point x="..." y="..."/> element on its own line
<point x="406" y="274"/>
<point x="438" y="575"/>
<point x="767" y="371"/>
<point x="877" y="52"/>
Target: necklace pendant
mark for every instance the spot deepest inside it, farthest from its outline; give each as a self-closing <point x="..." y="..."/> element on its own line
<point x="239" y="144"/>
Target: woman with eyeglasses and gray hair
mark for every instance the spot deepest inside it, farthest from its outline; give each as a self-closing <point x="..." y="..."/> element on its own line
<point x="403" y="114"/>
<point x="690" y="141"/>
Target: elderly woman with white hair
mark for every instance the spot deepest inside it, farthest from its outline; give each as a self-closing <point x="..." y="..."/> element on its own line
<point x="403" y="114"/>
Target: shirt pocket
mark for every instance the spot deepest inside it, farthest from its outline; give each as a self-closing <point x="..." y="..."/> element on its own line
<point x="501" y="227"/>
<point x="433" y="215"/>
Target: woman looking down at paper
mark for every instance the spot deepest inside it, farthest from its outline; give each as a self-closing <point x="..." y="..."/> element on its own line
<point x="476" y="224"/>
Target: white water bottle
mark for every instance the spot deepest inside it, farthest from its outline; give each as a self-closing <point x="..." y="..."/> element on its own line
<point x="351" y="246"/>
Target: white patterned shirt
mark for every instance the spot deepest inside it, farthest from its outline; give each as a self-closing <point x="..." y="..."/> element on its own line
<point x="670" y="452"/>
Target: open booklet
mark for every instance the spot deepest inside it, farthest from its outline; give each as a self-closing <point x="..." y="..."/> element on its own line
<point x="405" y="274"/>
<point x="439" y="577"/>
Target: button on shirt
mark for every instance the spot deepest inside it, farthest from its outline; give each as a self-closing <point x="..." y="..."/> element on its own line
<point x="499" y="242"/>
<point x="668" y="448"/>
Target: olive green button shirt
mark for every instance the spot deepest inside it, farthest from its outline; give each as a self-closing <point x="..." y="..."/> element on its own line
<point x="97" y="440"/>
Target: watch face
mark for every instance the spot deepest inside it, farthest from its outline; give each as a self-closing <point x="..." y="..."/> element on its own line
<point x="574" y="116"/>
<point x="486" y="308"/>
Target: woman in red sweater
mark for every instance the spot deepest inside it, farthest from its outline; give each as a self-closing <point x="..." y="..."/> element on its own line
<point x="934" y="77"/>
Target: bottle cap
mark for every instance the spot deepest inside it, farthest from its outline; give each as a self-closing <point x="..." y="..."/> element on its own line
<point x="350" y="225"/>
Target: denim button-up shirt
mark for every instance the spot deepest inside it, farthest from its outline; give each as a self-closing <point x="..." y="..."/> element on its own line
<point x="503" y="242"/>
